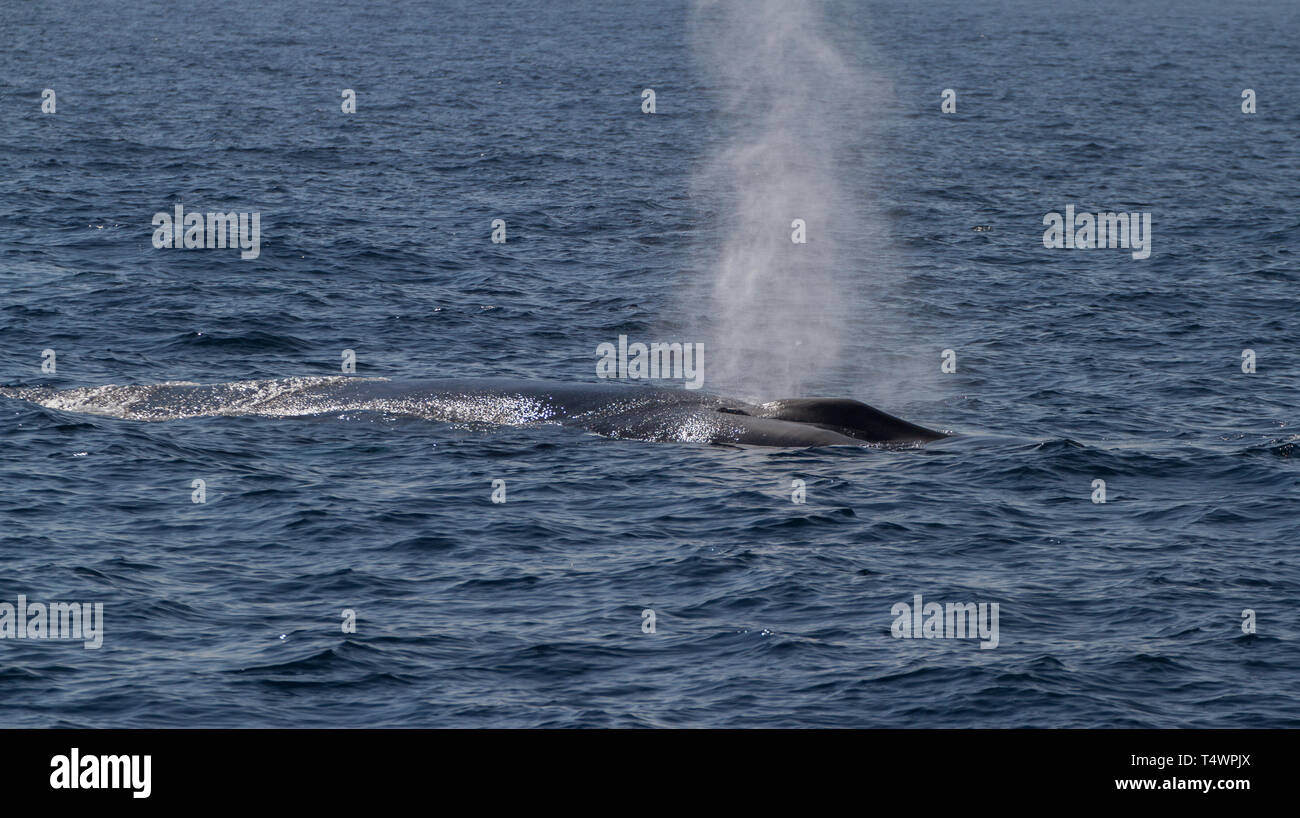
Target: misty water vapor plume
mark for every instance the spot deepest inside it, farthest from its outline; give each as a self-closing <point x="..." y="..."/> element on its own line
<point x="779" y="313"/>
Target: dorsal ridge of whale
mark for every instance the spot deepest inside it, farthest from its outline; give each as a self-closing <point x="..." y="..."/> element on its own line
<point x="847" y="417"/>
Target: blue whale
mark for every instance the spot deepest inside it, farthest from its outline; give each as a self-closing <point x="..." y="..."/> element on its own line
<point x="613" y="410"/>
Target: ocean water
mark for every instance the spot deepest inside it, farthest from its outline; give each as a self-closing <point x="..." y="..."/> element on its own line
<point x="1072" y="366"/>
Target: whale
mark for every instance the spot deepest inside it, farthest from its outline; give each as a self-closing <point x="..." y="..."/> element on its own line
<point x="615" y="410"/>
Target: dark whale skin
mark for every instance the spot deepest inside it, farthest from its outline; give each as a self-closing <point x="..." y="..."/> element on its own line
<point x="849" y="417"/>
<point x="619" y="410"/>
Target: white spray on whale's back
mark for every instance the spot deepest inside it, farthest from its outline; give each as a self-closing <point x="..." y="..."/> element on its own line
<point x="779" y="315"/>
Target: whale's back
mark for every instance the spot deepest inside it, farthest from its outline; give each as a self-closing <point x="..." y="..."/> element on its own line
<point x="613" y="410"/>
<point x="848" y="417"/>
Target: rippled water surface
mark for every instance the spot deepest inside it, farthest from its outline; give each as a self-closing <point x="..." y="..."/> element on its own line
<point x="1073" y="366"/>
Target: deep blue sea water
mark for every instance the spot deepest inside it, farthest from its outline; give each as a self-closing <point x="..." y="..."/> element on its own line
<point x="1073" y="366"/>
